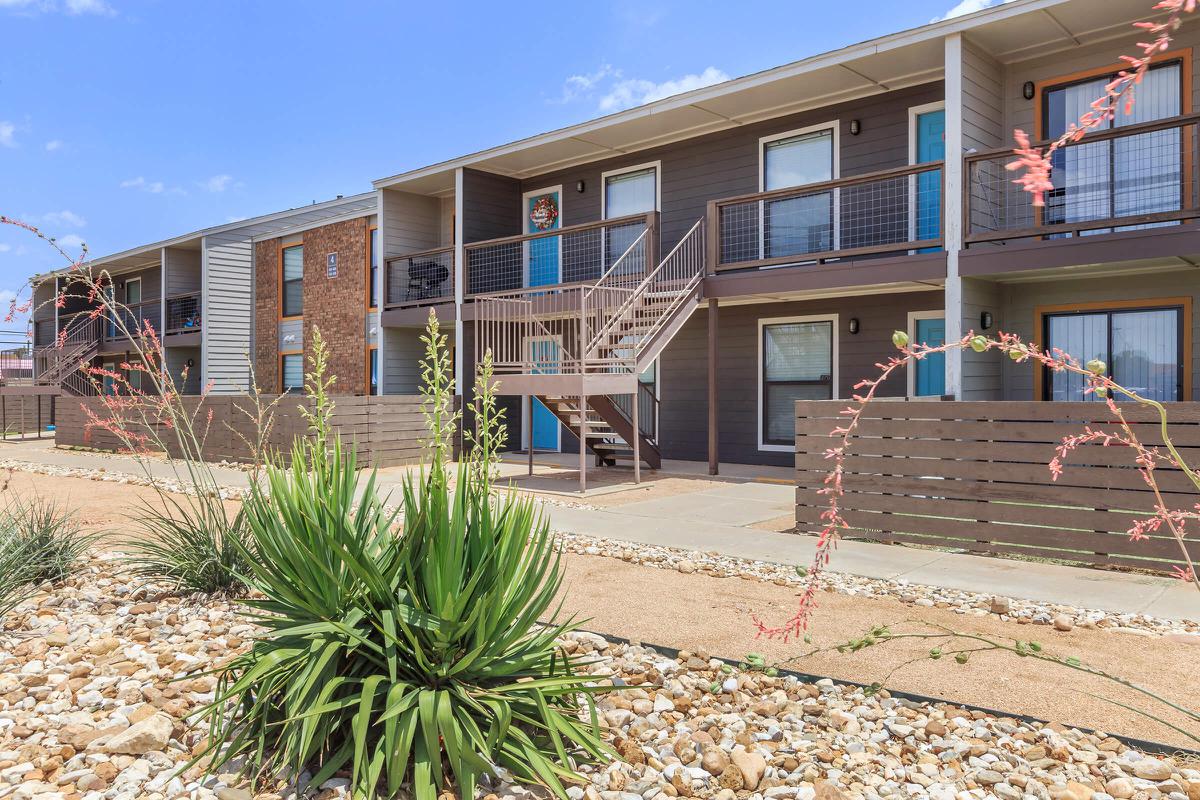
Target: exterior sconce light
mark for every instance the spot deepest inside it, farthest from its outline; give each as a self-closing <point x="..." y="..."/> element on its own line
<point x="854" y="325"/>
<point x="1027" y="90"/>
<point x="855" y="127"/>
<point x="985" y="320"/>
<point x="290" y="339"/>
<point x="191" y="362"/>
<point x="580" y="186"/>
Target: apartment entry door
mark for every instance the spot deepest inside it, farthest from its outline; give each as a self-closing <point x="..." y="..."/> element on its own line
<point x="930" y="146"/>
<point x="545" y="352"/>
<point x="543" y="257"/>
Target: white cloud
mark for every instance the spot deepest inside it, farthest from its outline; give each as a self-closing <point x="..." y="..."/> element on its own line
<point x="53" y="144"/>
<point x="74" y="8"/>
<point x="5" y="247"/>
<point x="217" y="183"/>
<point x="150" y="187"/>
<point x="63" y="219"/>
<point x="969" y="7"/>
<point x="72" y="241"/>
<point x="636" y="91"/>
<point x="580" y="86"/>
<point x="8" y="130"/>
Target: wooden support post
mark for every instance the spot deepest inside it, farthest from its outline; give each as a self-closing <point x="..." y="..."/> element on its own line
<point x="529" y="433"/>
<point x="637" y="435"/>
<point x="713" y="467"/>
<point x="583" y="432"/>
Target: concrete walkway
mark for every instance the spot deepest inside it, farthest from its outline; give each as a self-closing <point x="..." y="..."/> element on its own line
<point x="721" y="519"/>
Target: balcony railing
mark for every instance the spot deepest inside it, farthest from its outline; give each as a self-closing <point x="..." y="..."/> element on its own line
<point x="131" y="318"/>
<point x="420" y="279"/>
<point x="1123" y="178"/>
<point x="572" y="254"/>
<point x="183" y="313"/>
<point x="893" y="211"/>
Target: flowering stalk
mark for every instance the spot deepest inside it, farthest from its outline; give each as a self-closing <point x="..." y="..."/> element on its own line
<point x="1146" y="458"/>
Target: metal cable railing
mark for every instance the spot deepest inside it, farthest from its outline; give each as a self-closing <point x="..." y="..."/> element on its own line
<point x="420" y="278"/>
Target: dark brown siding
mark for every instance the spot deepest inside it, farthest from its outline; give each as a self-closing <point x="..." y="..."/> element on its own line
<point x="491" y="206"/>
<point x="726" y="164"/>
<point x="683" y="414"/>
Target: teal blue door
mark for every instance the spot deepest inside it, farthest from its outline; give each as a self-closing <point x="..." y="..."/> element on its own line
<point x="544" y="354"/>
<point x="931" y="146"/>
<point x="542" y="255"/>
<point x="931" y="370"/>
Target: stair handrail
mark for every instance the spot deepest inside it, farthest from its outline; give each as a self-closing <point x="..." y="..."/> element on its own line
<point x="624" y="311"/>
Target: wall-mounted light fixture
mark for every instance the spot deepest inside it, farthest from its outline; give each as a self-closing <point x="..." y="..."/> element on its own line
<point x="853" y="325"/>
<point x="1027" y="90"/>
<point x="985" y="320"/>
<point x="191" y="362"/>
<point x="855" y="127"/>
<point x="289" y="339"/>
<point x="580" y="186"/>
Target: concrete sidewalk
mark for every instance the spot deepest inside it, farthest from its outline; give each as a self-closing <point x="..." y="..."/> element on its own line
<point x="716" y="520"/>
<point x="721" y="519"/>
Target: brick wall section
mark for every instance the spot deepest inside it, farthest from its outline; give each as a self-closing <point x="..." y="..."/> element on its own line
<point x="335" y="305"/>
<point x="266" y="314"/>
<point x="338" y="305"/>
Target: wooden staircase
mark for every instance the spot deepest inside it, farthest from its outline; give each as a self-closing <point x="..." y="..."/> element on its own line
<point x="609" y="430"/>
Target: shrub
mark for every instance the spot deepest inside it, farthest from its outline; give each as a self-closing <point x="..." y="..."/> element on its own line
<point x="411" y="659"/>
<point x="47" y="538"/>
<point x="191" y="543"/>
<point x="14" y="579"/>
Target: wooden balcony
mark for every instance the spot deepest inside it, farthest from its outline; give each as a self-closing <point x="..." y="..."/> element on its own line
<point x="569" y="255"/>
<point x="1113" y="181"/>
<point x="419" y="279"/>
<point x="183" y="314"/>
<point x="890" y="212"/>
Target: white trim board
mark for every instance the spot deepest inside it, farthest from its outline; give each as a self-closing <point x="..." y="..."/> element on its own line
<point x="834" y="358"/>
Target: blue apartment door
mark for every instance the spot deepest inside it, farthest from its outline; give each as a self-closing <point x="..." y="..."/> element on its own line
<point x="544" y="354"/>
<point x="543" y="258"/>
<point x="931" y="370"/>
<point x="931" y="146"/>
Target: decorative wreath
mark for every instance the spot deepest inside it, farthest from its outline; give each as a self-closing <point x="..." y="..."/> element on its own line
<point x="544" y="213"/>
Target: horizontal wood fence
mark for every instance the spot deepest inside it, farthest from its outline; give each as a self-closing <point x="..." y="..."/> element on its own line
<point x="26" y="413"/>
<point x="974" y="476"/>
<point x="387" y="431"/>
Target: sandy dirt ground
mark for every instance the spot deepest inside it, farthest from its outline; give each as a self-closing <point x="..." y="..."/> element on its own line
<point x="696" y="611"/>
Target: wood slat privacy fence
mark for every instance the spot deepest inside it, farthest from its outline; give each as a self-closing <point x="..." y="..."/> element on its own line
<point x="28" y="412"/>
<point x="387" y="431"/>
<point x="974" y="476"/>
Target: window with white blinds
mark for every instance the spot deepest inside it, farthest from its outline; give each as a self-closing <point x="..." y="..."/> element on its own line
<point x="633" y="192"/>
<point x="292" y="278"/>
<point x="1142" y="348"/>
<point x="797" y="364"/>
<point x="292" y="372"/>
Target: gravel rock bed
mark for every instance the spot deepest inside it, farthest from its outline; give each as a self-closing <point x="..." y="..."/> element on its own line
<point x="92" y="708"/>
<point x="166" y="484"/>
<point x="1021" y="611"/>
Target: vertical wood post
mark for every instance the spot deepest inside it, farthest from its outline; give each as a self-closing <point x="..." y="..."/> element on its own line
<point x="529" y="433"/>
<point x="583" y="432"/>
<point x="637" y="433"/>
<point x="713" y="467"/>
<point x="711" y="244"/>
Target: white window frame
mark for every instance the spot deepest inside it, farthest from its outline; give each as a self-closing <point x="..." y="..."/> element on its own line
<point x="913" y="316"/>
<point x="834" y="358"/>
<point x="913" y="113"/>
<point x="525" y="229"/>
<point x="141" y="289"/>
<point x="835" y="174"/>
<point x="604" y="176"/>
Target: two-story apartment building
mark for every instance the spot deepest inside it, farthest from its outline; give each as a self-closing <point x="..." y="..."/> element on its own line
<point x="691" y="267"/>
<point x="230" y="302"/>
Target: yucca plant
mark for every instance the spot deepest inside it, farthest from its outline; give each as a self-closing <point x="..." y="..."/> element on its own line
<point x="191" y="542"/>
<point x="45" y="537"/>
<point x="410" y="658"/>
<point x="15" y="585"/>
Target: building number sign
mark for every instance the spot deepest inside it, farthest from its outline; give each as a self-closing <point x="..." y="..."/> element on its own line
<point x="331" y="265"/>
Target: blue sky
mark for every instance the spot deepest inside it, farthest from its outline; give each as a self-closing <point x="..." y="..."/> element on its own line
<point x="127" y="121"/>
